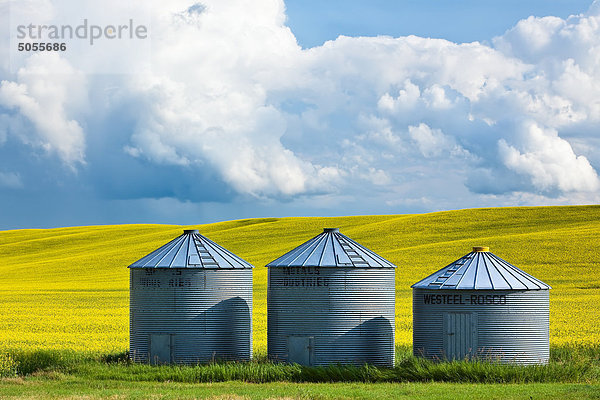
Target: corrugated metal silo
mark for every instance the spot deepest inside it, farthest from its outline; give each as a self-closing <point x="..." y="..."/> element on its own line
<point x="331" y="300"/>
<point x="190" y="302"/>
<point x="480" y="306"/>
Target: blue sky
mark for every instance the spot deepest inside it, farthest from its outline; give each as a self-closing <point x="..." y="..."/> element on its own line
<point x="234" y="110"/>
<point x="314" y="22"/>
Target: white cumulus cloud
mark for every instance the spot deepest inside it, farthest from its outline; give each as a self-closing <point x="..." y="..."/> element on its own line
<point x="433" y="142"/>
<point x="44" y="90"/>
<point x="230" y="91"/>
<point x="549" y="161"/>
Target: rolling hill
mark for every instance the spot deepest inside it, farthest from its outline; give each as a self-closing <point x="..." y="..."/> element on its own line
<point x="67" y="288"/>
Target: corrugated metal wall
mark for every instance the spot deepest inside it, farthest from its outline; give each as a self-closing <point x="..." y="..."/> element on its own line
<point x="336" y="315"/>
<point x="507" y="326"/>
<point x="198" y="314"/>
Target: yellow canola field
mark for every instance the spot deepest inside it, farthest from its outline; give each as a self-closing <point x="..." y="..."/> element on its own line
<point x="68" y="288"/>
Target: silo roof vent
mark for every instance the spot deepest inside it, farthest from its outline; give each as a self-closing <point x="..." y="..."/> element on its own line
<point x="481" y="270"/>
<point x="191" y="250"/>
<point x="331" y="249"/>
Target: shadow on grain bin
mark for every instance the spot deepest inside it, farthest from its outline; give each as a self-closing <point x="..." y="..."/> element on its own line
<point x="220" y="333"/>
<point x="370" y="342"/>
<point x="227" y="331"/>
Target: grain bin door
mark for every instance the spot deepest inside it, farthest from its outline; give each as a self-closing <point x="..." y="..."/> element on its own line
<point x="160" y="349"/>
<point x="460" y="335"/>
<point x="301" y="350"/>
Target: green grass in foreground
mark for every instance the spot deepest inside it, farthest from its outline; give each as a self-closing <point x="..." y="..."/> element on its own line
<point x="54" y="386"/>
<point x="573" y="373"/>
<point x="568" y="365"/>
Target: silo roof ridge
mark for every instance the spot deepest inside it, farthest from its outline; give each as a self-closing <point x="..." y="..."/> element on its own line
<point x="191" y="250"/>
<point x="331" y="249"/>
<point x="481" y="270"/>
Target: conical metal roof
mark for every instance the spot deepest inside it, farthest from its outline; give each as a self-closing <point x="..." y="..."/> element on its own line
<point x="191" y="250"/>
<point x="481" y="270"/>
<point x="331" y="249"/>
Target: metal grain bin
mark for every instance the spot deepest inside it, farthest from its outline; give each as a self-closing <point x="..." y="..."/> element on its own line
<point x="480" y="306"/>
<point x="190" y="302"/>
<point x="331" y="300"/>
